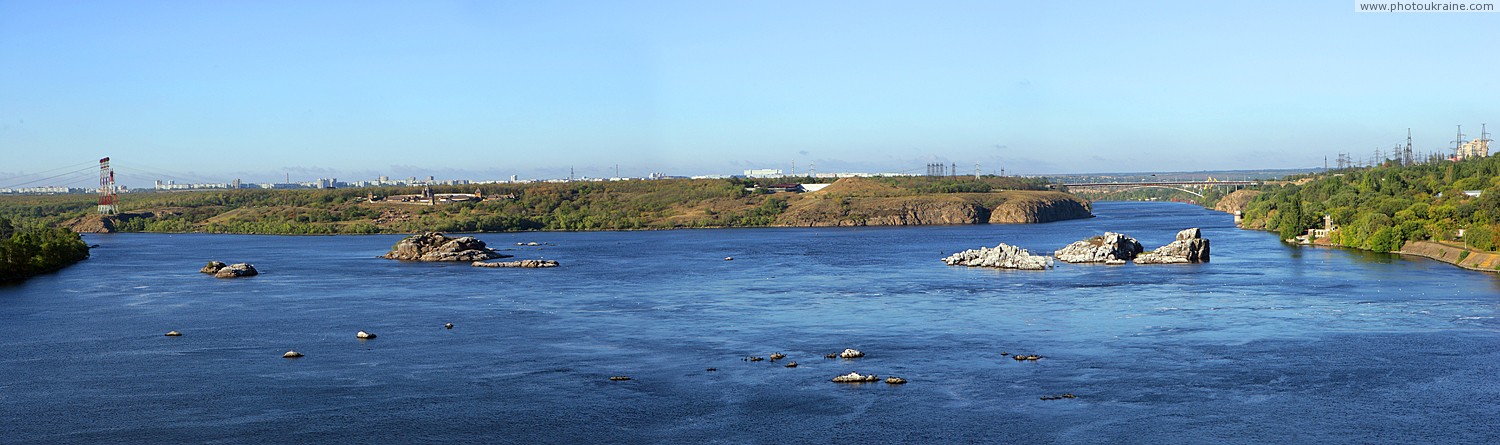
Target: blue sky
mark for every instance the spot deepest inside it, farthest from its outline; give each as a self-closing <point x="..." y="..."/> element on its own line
<point x="197" y="90"/>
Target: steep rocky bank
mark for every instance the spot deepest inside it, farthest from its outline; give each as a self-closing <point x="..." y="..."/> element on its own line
<point x="1029" y="207"/>
<point x="823" y="209"/>
<point x="101" y="223"/>
<point x="814" y="211"/>
<point x="1473" y="260"/>
<point x="1236" y="201"/>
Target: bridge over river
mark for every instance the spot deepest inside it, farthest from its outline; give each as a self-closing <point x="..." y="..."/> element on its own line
<point x="1184" y="186"/>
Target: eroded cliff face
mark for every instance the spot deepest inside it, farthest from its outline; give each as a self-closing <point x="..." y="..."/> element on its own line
<point x="824" y="211"/>
<point x="101" y="223"/>
<point x="1039" y="207"/>
<point x="1010" y="207"/>
<point x="1236" y="201"/>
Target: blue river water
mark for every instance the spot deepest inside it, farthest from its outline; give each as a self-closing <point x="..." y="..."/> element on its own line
<point x="1267" y="343"/>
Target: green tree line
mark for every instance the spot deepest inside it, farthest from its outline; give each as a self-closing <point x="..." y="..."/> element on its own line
<point x="25" y="252"/>
<point x="1381" y="208"/>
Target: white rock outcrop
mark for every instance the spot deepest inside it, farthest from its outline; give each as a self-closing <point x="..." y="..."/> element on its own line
<point x="1003" y="256"/>
<point x="855" y="377"/>
<point x="525" y="264"/>
<point x="1189" y="247"/>
<point x="1106" y="248"/>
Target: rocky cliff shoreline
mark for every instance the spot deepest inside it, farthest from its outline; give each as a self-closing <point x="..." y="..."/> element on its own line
<point x="1009" y="207"/>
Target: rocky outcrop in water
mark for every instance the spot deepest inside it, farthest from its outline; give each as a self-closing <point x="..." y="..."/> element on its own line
<point x="526" y="264"/>
<point x="1101" y="249"/>
<point x="433" y="246"/>
<point x="213" y="267"/>
<point x="220" y="270"/>
<point x="1003" y="256"/>
<point x="1190" y="247"/>
<point x="855" y="377"/>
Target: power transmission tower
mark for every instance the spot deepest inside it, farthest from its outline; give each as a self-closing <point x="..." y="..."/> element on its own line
<point x="1458" y="143"/>
<point x="1406" y="157"/>
<point x="1484" y="139"/>
<point x="107" y="195"/>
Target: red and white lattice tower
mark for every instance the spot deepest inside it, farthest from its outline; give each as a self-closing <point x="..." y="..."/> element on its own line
<point x="107" y="196"/>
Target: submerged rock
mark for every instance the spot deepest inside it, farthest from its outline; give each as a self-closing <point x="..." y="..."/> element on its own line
<point x="433" y="246"/>
<point x="895" y="380"/>
<point x="291" y="354"/>
<point x="1189" y="247"/>
<point x="364" y="335"/>
<point x="236" y="270"/>
<point x="620" y="378"/>
<point x="448" y="325"/>
<point x="1110" y="248"/>
<point x="855" y="377"/>
<point x="174" y="334"/>
<point x="526" y="264"/>
<point x="1002" y="256"/>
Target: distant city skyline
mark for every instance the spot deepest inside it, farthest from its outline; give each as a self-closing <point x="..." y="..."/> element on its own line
<point x="216" y="91"/>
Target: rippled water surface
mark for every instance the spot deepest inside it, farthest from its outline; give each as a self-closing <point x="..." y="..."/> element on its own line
<point x="1267" y="343"/>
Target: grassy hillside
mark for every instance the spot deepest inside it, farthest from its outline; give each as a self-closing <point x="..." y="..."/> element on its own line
<point x="624" y="205"/>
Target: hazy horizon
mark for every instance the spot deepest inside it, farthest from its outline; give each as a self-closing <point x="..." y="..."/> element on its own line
<point x="192" y="91"/>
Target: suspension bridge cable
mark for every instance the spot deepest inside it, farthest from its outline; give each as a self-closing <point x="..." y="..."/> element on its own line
<point x="50" y="177"/>
<point x="165" y="175"/>
<point x="51" y="170"/>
